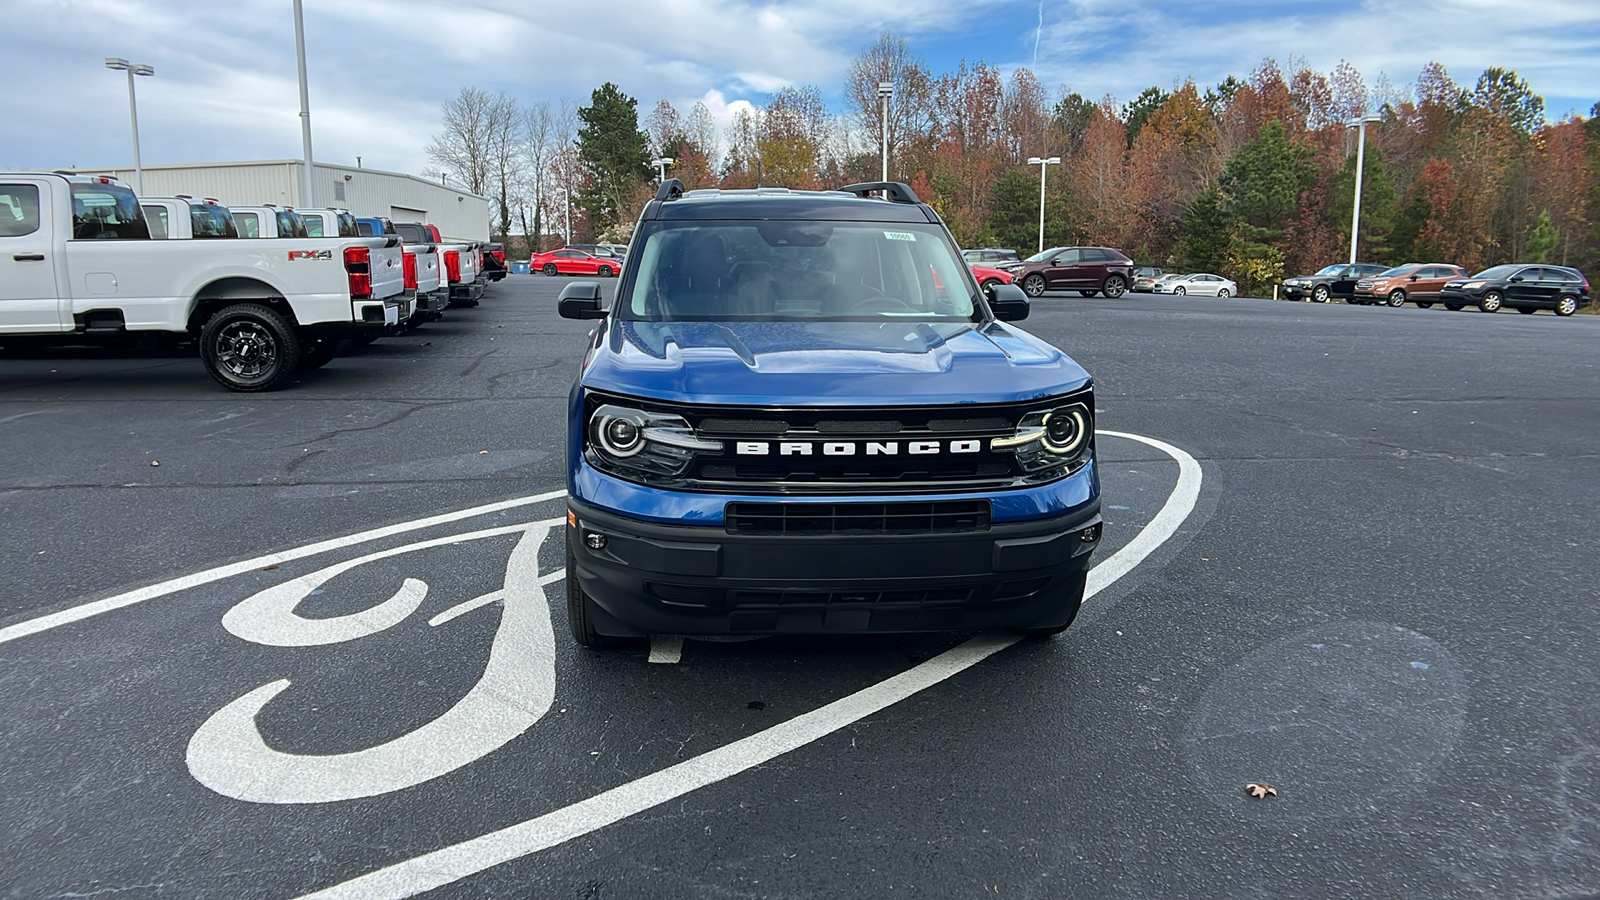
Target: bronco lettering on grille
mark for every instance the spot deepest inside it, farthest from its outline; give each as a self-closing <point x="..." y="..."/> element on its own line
<point x="853" y="448"/>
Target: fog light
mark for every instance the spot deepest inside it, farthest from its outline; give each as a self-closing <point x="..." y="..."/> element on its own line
<point x="1090" y="534"/>
<point x="594" y="540"/>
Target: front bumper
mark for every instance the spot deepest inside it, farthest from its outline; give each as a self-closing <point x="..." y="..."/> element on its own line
<point x="655" y="578"/>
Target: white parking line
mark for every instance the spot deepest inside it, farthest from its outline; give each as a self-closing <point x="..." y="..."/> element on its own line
<point x="448" y="864"/>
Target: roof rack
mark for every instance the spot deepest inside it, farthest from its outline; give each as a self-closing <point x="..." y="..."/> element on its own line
<point x="896" y="191"/>
<point x="671" y="189"/>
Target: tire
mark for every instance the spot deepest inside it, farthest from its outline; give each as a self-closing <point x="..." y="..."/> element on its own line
<point x="1397" y="298"/>
<point x="1526" y="311"/>
<point x="605" y="271"/>
<point x="549" y="269"/>
<point x="1223" y="292"/>
<point x="1320" y="293"/>
<point x="1491" y="302"/>
<point x="1567" y="305"/>
<point x="1424" y="304"/>
<point x="1033" y="285"/>
<point x="1115" y="287"/>
<point x="1453" y="307"/>
<point x="248" y="347"/>
<point x="316" y="354"/>
<point x="1052" y="630"/>
<point x="578" y="606"/>
<point x="1180" y="291"/>
<point x="988" y="284"/>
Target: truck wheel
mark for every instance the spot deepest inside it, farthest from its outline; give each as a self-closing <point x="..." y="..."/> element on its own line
<point x="316" y="354"/>
<point x="1491" y="302"/>
<point x="1076" y="594"/>
<point x="1033" y="285"/>
<point x="248" y="347"/>
<point x="1320" y="293"/>
<point x="1397" y="298"/>
<point x="578" y="607"/>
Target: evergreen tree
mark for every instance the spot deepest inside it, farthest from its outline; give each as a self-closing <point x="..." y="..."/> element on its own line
<point x="1138" y="112"/>
<point x="1208" y="234"/>
<point x="615" y="154"/>
<point x="1544" y="239"/>
<point x="1263" y="183"/>
<point x="1014" y="220"/>
<point x="1379" y="204"/>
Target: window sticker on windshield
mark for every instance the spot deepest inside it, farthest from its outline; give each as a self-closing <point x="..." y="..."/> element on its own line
<point x="900" y="236"/>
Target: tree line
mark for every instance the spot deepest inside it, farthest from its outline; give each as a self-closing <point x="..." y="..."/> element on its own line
<point x="1252" y="177"/>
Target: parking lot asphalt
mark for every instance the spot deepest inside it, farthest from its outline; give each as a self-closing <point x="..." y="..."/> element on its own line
<point x="1380" y="605"/>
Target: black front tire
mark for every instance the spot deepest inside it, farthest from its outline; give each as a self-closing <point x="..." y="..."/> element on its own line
<point x="248" y="347"/>
<point x="579" y="607"/>
<point x="1033" y="285"/>
<point x="1114" y="287"/>
<point x="549" y="269"/>
<point x="605" y="271"/>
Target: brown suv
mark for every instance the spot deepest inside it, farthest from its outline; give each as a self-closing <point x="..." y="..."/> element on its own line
<point x="1087" y="270"/>
<point x="1418" y="282"/>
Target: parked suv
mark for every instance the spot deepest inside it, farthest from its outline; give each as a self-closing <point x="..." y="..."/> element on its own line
<point x="1328" y="282"/>
<point x="1418" y="282"/>
<point x="994" y="257"/>
<point x="1527" y="289"/>
<point x="1087" y="270"/>
<point x="802" y="415"/>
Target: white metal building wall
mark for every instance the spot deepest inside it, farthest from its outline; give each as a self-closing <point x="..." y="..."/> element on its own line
<point x="367" y="192"/>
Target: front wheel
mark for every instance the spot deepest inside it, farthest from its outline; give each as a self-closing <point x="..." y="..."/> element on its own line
<point x="1397" y="298"/>
<point x="1567" y="305"/>
<point x="1320" y="293"/>
<point x="1115" y="287"/>
<point x="1491" y="302"/>
<point x="1180" y="290"/>
<point x="1223" y="293"/>
<point x="549" y="269"/>
<point x="605" y="271"/>
<point x="1033" y="285"/>
<point x="249" y="347"/>
<point x="579" y="607"/>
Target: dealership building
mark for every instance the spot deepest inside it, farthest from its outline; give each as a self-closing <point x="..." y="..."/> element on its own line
<point x="458" y="214"/>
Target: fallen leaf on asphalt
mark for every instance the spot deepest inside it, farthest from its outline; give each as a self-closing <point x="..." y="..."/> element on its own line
<point x="269" y="568"/>
<point x="1261" y="790"/>
<point x="483" y="452"/>
<point x="154" y="462"/>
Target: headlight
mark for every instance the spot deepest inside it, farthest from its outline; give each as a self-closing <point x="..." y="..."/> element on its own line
<point x="1472" y="284"/>
<point x="1050" y="439"/>
<point x="640" y="442"/>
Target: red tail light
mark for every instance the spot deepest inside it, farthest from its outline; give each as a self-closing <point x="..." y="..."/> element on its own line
<point x="411" y="270"/>
<point x="452" y="264"/>
<point x="358" y="265"/>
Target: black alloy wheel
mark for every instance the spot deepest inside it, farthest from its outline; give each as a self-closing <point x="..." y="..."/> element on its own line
<point x="1397" y="298"/>
<point x="1320" y="294"/>
<point x="549" y="269"/>
<point x="1115" y="287"/>
<point x="1033" y="285"/>
<point x="1491" y="302"/>
<point x="1567" y="305"/>
<point x="249" y="347"/>
<point x="605" y="271"/>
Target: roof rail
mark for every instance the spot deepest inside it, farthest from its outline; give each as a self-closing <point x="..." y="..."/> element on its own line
<point x="671" y="189"/>
<point x="898" y="192"/>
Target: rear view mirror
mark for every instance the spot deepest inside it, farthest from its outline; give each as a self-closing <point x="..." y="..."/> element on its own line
<point x="1008" y="302"/>
<point x="581" y="300"/>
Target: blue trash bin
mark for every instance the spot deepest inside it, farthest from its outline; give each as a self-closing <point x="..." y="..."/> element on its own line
<point x="519" y="267"/>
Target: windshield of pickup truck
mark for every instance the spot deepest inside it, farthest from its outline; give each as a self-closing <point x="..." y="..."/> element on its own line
<point x="776" y="270"/>
<point x="106" y="212"/>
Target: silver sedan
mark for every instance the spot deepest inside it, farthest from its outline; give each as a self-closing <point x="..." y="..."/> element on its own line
<point x="1199" y="283"/>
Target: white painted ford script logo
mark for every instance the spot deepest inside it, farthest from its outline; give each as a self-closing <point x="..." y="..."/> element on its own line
<point x="851" y="448"/>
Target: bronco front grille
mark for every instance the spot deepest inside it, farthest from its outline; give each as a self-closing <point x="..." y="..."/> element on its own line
<point x="899" y="517"/>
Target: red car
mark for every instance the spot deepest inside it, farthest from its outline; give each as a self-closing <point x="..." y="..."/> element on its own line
<point x="572" y="262"/>
<point x="988" y="277"/>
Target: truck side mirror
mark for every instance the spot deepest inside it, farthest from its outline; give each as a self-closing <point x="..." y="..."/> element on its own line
<point x="581" y="300"/>
<point x="1008" y="302"/>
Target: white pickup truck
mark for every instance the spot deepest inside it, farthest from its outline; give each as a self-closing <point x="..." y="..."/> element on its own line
<point x="187" y="219"/>
<point x="77" y="265"/>
<point x="458" y="263"/>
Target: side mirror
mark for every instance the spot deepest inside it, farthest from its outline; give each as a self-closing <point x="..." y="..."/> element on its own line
<point x="581" y="300"/>
<point x="1008" y="302"/>
<point x="1414" y="278"/>
<point x="1516" y="278"/>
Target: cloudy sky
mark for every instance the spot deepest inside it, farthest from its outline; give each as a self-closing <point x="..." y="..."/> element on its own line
<point x="225" y="85"/>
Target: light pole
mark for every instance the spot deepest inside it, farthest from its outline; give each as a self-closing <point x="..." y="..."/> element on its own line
<point x="114" y="62"/>
<point x="305" y="102"/>
<point x="1361" y="163"/>
<point x="1044" y="166"/>
<point x="885" y="91"/>
<point x="661" y="163"/>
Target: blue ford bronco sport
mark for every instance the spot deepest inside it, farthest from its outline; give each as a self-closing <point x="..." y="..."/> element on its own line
<point x="802" y="415"/>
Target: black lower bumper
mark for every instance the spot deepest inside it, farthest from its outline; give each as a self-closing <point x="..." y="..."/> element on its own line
<point x="649" y="578"/>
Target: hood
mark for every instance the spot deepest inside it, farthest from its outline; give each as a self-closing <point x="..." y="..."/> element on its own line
<point x="828" y="363"/>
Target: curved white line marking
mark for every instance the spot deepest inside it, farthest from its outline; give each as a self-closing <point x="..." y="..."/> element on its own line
<point x="139" y="595"/>
<point x="228" y="755"/>
<point x="448" y="864"/>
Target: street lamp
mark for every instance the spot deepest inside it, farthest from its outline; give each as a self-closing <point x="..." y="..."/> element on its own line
<point x="120" y="64"/>
<point x="885" y="91"/>
<point x="1361" y="163"/>
<point x="661" y="163"/>
<point x="1044" y="166"/>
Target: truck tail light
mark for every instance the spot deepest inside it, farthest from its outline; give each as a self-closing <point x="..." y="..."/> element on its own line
<point x="358" y="265"/>
<point x="452" y="264"/>
<point x="411" y="270"/>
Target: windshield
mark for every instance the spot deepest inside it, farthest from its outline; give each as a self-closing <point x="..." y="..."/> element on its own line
<point x="1043" y="255"/>
<point x="1397" y="271"/>
<point x="780" y="271"/>
<point x="1329" y="270"/>
<point x="1498" y="272"/>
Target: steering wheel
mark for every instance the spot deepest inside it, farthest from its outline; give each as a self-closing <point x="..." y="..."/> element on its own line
<point x="880" y="302"/>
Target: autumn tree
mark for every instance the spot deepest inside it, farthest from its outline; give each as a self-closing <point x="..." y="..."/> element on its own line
<point x="889" y="59"/>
